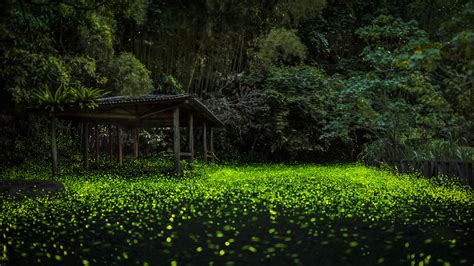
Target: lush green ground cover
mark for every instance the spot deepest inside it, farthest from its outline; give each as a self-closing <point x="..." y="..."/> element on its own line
<point x="264" y="213"/>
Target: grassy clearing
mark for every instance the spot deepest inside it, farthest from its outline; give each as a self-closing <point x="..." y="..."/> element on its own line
<point x="276" y="214"/>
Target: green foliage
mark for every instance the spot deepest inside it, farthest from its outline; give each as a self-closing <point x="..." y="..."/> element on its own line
<point x="97" y="37"/>
<point x="134" y="10"/>
<point x="319" y="42"/>
<point x="390" y="32"/>
<point x="68" y="96"/>
<point x="130" y="76"/>
<point x="30" y="71"/>
<point x="281" y="47"/>
<point x="436" y="149"/>
<point x="278" y="114"/>
<point x="84" y="72"/>
<point x="455" y="74"/>
<point x="86" y="97"/>
<point x="254" y="214"/>
<point x="406" y="67"/>
<point x="171" y="85"/>
<point x="396" y="105"/>
<point x="296" y="96"/>
<point x="67" y="44"/>
<point x="292" y="12"/>
<point x="447" y="150"/>
<point x="53" y="101"/>
<point x="393" y="44"/>
<point x="56" y="55"/>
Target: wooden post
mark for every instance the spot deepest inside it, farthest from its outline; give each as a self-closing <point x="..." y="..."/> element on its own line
<point x="81" y="137"/>
<point x="204" y="141"/>
<point x="211" y="141"/>
<point x="96" y="139"/>
<point x="191" y="137"/>
<point x="176" y="138"/>
<point x="85" y="154"/>
<point x="54" y="152"/>
<point x="111" y="145"/>
<point x="135" y="144"/>
<point x="120" y="145"/>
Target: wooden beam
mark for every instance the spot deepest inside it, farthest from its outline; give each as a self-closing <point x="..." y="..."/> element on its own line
<point x="120" y="145"/>
<point x="125" y="109"/>
<point x="176" y="139"/>
<point x="156" y="112"/>
<point x="98" y="115"/>
<point x="135" y="144"/>
<point x="151" y="122"/>
<point x="54" y="151"/>
<point x="191" y="137"/>
<point x="96" y="140"/>
<point x="204" y="141"/>
<point x="85" y="158"/>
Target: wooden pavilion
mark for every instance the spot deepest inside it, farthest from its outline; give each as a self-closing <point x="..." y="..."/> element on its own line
<point x="149" y="111"/>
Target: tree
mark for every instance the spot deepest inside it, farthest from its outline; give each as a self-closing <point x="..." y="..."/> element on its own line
<point x="397" y="107"/>
<point x="130" y="76"/>
<point x="281" y="47"/>
<point x="61" y="98"/>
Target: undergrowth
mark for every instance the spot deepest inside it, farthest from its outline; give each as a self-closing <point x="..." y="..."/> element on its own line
<point x="223" y="214"/>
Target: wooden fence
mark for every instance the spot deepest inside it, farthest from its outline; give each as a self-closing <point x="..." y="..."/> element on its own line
<point x="459" y="170"/>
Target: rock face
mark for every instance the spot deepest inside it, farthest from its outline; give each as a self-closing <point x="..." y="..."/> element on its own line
<point x="30" y="188"/>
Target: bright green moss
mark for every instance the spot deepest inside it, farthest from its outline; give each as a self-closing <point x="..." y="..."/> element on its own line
<point x="262" y="213"/>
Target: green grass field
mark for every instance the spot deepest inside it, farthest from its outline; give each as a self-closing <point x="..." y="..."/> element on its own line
<point x="278" y="214"/>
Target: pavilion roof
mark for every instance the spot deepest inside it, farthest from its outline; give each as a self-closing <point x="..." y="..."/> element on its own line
<point x="144" y="111"/>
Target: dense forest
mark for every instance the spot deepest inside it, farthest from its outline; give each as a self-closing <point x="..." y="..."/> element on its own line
<point x="305" y="80"/>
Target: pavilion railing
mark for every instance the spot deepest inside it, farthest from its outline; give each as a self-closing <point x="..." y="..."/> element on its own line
<point x="463" y="171"/>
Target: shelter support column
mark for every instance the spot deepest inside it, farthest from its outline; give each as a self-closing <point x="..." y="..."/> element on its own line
<point x="176" y="138"/>
<point x="211" y="141"/>
<point x="204" y="141"/>
<point x="191" y="137"/>
<point x="111" y="147"/>
<point x="85" y="152"/>
<point x="120" y="145"/>
<point x="135" y="144"/>
<point x="96" y="140"/>
<point x="54" y="151"/>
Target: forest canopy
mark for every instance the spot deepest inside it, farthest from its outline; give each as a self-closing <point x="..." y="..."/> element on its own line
<point x="292" y="80"/>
